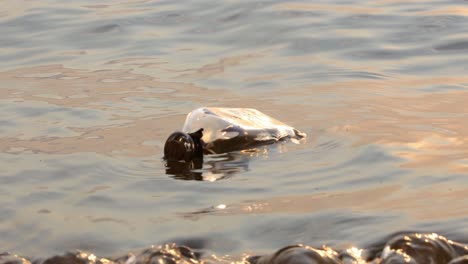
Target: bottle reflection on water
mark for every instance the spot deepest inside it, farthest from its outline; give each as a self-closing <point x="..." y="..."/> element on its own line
<point x="211" y="168"/>
<point x="182" y="170"/>
<point x="221" y="133"/>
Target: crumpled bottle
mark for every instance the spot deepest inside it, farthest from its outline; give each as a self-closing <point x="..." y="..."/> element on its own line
<point x="213" y="130"/>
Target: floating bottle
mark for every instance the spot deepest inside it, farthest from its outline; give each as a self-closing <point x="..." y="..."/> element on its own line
<point x="213" y="130"/>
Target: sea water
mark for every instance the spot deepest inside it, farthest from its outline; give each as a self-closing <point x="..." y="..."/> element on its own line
<point x="89" y="91"/>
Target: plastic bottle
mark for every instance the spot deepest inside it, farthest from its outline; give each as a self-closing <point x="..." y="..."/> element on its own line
<point x="210" y="130"/>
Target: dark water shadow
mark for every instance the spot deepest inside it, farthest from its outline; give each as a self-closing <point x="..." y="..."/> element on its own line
<point x="212" y="168"/>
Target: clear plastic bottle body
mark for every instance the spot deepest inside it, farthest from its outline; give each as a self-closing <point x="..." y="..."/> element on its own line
<point x="230" y="129"/>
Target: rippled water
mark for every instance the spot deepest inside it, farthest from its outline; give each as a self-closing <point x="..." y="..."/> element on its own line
<point x="90" y="90"/>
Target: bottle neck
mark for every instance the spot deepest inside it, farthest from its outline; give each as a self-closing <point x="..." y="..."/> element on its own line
<point x="198" y="143"/>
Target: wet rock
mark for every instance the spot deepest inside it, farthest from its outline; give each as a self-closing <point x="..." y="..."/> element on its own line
<point x="7" y="258"/>
<point x="167" y="254"/>
<point x="420" y="248"/>
<point x="78" y="257"/>
<point x="460" y="260"/>
<point x="413" y="248"/>
<point x="299" y="254"/>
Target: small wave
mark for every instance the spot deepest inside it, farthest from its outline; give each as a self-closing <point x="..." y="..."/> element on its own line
<point x="458" y="45"/>
<point x="414" y="248"/>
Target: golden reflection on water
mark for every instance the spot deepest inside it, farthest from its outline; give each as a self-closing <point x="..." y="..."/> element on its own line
<point x="386" y="199"/>
<point x="218" y="67"/>
<point x="425" y="129"/>
<point x="459" y="10"/>
<point x="15" y="8"/>
<point x="106" y="91"/>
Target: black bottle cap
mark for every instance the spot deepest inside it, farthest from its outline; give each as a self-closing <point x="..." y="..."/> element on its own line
<point x="181" y="146"/>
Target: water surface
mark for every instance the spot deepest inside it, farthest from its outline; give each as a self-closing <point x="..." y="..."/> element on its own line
<point x="89" y="91"/>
